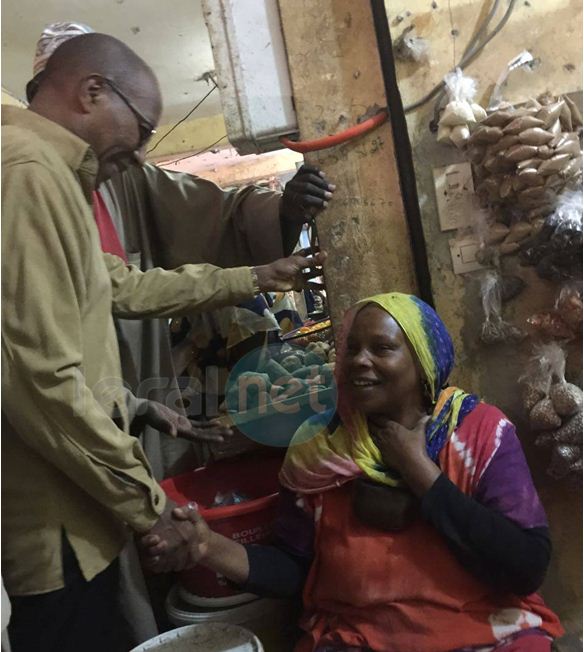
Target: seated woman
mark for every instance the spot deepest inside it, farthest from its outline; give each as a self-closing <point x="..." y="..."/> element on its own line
<point x="411" y="521"/>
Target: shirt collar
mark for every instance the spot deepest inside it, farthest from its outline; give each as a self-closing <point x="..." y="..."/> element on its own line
<point x="76" y="153"/>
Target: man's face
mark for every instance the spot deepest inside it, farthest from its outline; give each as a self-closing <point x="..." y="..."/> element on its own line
<point x="124" y="123"/>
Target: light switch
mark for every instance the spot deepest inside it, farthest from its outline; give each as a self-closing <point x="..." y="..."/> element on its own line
<point x="463" y="252"/>
<point x="454" y="195"/>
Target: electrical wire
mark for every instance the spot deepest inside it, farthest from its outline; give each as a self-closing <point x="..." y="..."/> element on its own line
<point x="197" y="105"/>
<point x="357" y="130"/>
<point x="470" y="46"/>
<point x="202" y="151"/>
<point x="466" y="60"/>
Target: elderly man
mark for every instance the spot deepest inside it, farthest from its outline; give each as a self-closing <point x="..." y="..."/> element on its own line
<point x="155" y="217"/>
<point x="74" y="482"/>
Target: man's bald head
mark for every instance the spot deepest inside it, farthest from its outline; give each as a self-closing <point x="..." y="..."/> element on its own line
<point x="101" y="54"/>
<point x="97" y="87"/>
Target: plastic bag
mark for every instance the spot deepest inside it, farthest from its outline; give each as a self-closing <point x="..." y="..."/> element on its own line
<point x="460" y="87"/>
<point x="494" y="328"/>
<point x="460" y="111"/>
<point x="551" y="402"/>
<point x="556" y="250"/>
<point x="234" y="497"/>
<point x="569" y="304"/>
<point x="550" y="325"/>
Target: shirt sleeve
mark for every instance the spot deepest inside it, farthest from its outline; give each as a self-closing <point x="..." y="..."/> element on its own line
<point x="500" y="534"/>
<point x="186" y="290"/>
<point x="193" y="220"/>
<point x="45" y="393"/>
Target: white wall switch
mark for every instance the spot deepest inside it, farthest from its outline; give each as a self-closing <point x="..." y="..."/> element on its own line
<point x="463" y="251"/>
<point x="454" y="195"/>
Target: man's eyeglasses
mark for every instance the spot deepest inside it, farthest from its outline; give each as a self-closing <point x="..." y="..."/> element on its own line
<point x="145" y="127"/>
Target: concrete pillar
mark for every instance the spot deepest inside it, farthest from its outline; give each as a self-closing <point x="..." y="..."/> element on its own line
<point x="337" y="78"/>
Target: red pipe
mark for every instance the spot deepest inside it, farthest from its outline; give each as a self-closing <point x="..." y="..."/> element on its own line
<point x="360" y="129"/>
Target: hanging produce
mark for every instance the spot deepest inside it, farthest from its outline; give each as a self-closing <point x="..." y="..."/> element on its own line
<point x="556" y="249"/>
<point x="460" y="113"/>
<point x="495" y="328"/>
<point x="524" y="156"/>
<point x="554" y="407"/>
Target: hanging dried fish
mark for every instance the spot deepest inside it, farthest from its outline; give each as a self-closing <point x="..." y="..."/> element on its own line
<point x="502" y="144"/>
<point x="545" y="151"/>
<point x="568" y="147"/>
<point x="566" y="118"/>
<point x="506" y="187"/>
<point x="507" y="248"/>
<point x="486" y="135"/>
<point x="498" y="119"/>
<point x="520" y="152"/>
<point x="535" y="136"/>
<point x="550" y="113"/>
<point x="520" y="124"/>
<point x="554" y="164"/>
<point x="529" y="163"/>
<point x="518" y="232"/>
<point x="497" y="233"/>
<point x="572" y="168"/>
<point x="576" y="115"/>
<point x="530" y="177"/>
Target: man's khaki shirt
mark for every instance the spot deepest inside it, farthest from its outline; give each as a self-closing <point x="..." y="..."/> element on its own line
<point x="65" y="465"/>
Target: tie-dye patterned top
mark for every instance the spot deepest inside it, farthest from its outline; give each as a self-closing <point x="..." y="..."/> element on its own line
<point x="408" y="591"/>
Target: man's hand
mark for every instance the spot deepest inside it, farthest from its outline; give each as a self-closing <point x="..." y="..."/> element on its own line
<point x="167" y="546"/>
<point x="164" y="419"/>
<point x="287" y="273"/>
<point x="305" y="195"/>
<point x="157" y="552"/>
<point x="404" y="451"/>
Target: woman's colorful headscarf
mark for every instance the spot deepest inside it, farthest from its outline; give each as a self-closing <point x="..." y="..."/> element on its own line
<point x="315" y="463"/>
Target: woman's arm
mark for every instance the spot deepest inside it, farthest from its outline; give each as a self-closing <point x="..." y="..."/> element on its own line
<point x="487" y="543"/>
<point x="500" y="533"/>
<point x="277" y="570"/>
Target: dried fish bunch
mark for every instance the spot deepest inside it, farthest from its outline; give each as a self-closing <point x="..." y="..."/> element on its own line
<point x="525" y="155"/>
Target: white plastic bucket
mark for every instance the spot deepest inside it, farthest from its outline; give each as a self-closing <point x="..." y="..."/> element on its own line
<point x="208" y="637"/>
<point x="272" y="620"/>
<point x="214" y="603"/>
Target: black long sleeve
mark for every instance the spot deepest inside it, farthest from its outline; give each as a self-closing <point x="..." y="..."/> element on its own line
<point x="275" y="572"/>
<point x="488" y="544"/>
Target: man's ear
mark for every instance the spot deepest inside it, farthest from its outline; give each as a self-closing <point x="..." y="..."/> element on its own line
<point x="91" y="93"/>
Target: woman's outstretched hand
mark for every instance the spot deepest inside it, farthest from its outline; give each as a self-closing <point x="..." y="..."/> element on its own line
<point x="404" y="451"/>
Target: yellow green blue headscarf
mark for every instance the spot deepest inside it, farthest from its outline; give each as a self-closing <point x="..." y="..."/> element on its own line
<point x="343" y="449"/>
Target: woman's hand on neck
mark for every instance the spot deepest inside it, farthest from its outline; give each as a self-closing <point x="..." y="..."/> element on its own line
<point x="404" y="450"/>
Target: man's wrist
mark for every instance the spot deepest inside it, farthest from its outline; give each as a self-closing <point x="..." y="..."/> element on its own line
<point x="255" y="281"/>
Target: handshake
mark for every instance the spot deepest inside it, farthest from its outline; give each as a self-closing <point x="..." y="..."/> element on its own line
<point x="178" y="540"/>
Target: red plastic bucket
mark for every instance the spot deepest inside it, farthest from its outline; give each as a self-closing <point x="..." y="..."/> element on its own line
<point x="249" y="522"/>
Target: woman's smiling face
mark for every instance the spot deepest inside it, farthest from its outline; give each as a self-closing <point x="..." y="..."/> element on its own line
<point x="380" y="373"/>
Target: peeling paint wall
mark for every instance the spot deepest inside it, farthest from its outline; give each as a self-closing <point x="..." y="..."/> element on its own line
<point x="552" y="31"/>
